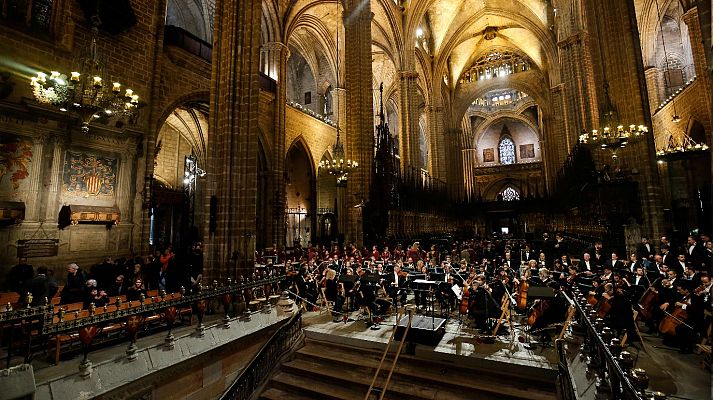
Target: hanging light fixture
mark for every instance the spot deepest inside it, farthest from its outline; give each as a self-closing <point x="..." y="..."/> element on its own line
<point x="613" y="134"/>
<point x="86" y="92"/>
<point x="340" y="166"/>
<point x="677" y="146"/>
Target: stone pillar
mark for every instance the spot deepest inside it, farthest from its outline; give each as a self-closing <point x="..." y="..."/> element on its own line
<point x="124" y="187"/>
<point x="654" y="87"/>
<point x="359" y="134"/>
<point x="52" y="202"/>
<point x="622" y="61"/>
<point x="470" y="160"/>
<point x="408" y="103"/>
<point x="277" y="54"/>
<point x="439" y="145"/>
<point x="232" y="150"/>
<point x="578" y="78"/>
<point x="33" y="204"/>
<point x="695" y="36"/>
<point x="339" y="109"/>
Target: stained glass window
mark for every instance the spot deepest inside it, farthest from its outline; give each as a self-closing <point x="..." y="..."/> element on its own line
<point x="507" y="151"/>
<point x="510" y="194"/>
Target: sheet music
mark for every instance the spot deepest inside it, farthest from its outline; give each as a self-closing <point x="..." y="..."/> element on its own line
<point x="458" y="291"/>
<point x="424" y="281"/>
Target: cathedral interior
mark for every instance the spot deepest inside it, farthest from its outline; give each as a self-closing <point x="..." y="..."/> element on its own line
<point x="236" y="136"/>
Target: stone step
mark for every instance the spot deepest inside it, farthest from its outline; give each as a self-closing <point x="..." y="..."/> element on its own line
<point x="312" y="388"/>
<point x="436" y="374"/>
<point x="400" y="387"/>
<point x="277" y="394"/>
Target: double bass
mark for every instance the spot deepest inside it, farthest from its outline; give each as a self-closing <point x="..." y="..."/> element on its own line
<point x="465" y="299"/>
<point x="522" y="289"/>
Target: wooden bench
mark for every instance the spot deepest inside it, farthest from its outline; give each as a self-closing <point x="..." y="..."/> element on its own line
<point x="9" y="297"/>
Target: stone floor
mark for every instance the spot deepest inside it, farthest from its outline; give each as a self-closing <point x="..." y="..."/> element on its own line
<point x="680" y="376"/>
<point x="460" y="343"/>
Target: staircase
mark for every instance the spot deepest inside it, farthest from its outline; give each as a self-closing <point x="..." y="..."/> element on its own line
<point x="322" y="370"/>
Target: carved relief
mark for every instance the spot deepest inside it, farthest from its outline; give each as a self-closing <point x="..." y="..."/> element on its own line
<point x="88" y="175"/>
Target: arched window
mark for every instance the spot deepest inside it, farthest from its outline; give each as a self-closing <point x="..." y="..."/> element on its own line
<point x="506" y="149"/>
<point x="510" y="194"/>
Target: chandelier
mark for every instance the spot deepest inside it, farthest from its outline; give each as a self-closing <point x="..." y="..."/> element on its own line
<point x="86" y="92"/>
<point x="683" y="145"/>
<point x="339" y="167"/>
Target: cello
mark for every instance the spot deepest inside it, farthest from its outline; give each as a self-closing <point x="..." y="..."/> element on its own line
<point x="465" y="299"/>
<point x="648" y="300"/>
<point x="538" y="309"/>
<point x="673" y="319"/>
<point x="522" y="289"/>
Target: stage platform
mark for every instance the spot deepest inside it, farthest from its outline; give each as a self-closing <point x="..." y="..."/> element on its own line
<point x="459" y="345"/>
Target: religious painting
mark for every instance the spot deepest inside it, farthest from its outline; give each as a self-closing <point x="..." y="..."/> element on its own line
<point x="15" y="159"/>
<point x="527" y="150"/>
<point x="88" y="175"/>
<point x="489" y="155"/>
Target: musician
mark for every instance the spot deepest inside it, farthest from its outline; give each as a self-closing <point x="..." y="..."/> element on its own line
<point x="690" y="274"/>
<point x="695" y="253"/>
<point x="542" y="260"/>
<point x="332" y="292"/>
<point x="679" y="265"/>
<point x="375" y="254"/>
<point x="587" y="265"/>
<point x="560" y="246"/>
<point x="640" y="280"/>
<point x="644" y="250"/>
<point x="620" y="312"/>
<point x="543" y="278"/>
<point x="528" y="254"/>
<point x="396" y="282"/>
<point x="691" y="320"/>
<point x="614" y="263"/>
<point x="606" y="275"/>
<point x="482" y="306"/>
<point x="386" y="255"/>
<point x="421" y="294"/>
<point x="667" y="257"/>
<point x="508" y="260"/>
<point x="597" y="253"/>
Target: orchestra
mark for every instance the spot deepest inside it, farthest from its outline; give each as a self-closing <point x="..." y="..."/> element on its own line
<point x="653" y="288"/>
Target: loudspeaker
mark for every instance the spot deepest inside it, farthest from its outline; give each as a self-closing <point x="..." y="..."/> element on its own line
<point x="213" y="218"/>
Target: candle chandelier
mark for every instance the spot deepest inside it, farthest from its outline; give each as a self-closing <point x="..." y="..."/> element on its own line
<point x="684" y="144"/>
<point x="338" y="167"/>
<point x="86" y="92"/>
<point x="613" y="135"/>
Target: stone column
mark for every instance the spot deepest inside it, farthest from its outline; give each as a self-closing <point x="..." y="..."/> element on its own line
<point x="408" y="97"/>
<point x="277" y="54"/>
<point x="695" y="36"/>
<point x="580" y="94"/>
<point x="654" y="87"/>
<point x="339" y="109"/>
<point x="123" y="189"/>
<point x="622" y="61"/>
<point x="470" y="160"/>
<point x="438" y="144"/>
<point x="359" y="134"/>
<point x="33" y="203"/>
<point x="232" y="150"/>
<point x="56" y="176"/>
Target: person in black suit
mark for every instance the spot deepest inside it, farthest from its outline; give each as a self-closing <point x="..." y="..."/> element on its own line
<point x="614" y="263"/>
<point x="19" y="276"/>
<point x="528" y="254"/>
<point x="41" y="287"/>
<point x="639" y="283"/>
<point x="695" y="253"/>
<point x="396" y="284"/>
<point x="667" y="256"/>
<point x="586" y="265"/>
<point x="644" y="250"/>
<point x="597" y="254"/>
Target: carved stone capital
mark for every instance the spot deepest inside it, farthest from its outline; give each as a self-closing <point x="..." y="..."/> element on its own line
<point x="276" y="47"/>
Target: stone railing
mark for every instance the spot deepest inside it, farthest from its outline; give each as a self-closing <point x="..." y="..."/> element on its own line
<point x="498" y="168"/>
<point x="53" y="324"/>
<point x="264" y="362"/>
<point x="616" y="377"/>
